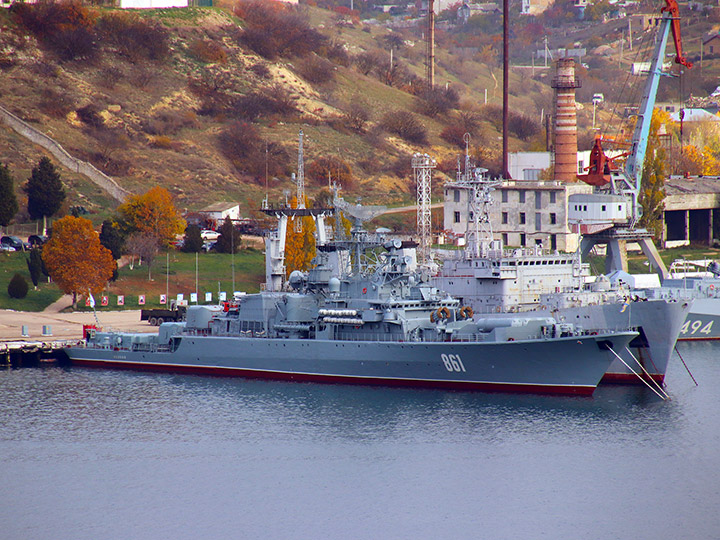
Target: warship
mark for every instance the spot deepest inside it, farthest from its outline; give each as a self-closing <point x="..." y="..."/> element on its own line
<point x="364" y="314"/>
<point x="506" y="282"/>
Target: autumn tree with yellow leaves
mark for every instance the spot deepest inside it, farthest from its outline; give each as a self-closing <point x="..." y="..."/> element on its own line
<point x="75" y="258"/>
<point x="652" y="188"/>
<point x="299" y="244"/>
<point x="153" y="214"/>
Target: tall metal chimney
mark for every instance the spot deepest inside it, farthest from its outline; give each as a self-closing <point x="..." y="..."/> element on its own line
<point x="565" y="145"/>
<point x="430" y="54"/>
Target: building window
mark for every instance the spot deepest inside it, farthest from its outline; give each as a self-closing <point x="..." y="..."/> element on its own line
<point x="456" y="195"/>
<point x="538" y="200"/>
<point x="456" y="217"/>
<point x="553" y="196"/>
<point x="522" y="218"/>
<point x="521" y="196"/>
<point x="522" y="239"/>
<point x="504" y="195"/>
<point x="538" y="221"/>
<point x="553" y="241"/>
<point x="505" y="239"/>
<point x="553" y="218"/>
<point x="581" y="167"/>
<point x="604" y="208"/>
<point x="504" y="218"/>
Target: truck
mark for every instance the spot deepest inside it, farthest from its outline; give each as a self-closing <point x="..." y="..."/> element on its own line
<point x="157" y="316"/>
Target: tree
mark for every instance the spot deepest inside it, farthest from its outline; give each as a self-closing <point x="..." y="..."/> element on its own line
<point x="229" y="239"/>
<point x="299" y="244"/>
<point x="34" y="263"/>
<point x="145" y="246"/>
<point x="45" y="191"/>
<point x="18" y="287"/>
<point x="8" y="200"/>
<point x="153" y="214"/>
<point x="193" y="241"/>
<point x="111" y="237"/>
<point x="76" y="259"/>
<point x="652" y="188"/>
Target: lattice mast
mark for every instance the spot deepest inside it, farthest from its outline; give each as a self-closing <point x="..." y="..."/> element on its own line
<point x="423" y="165"/>
<point x="479" y="233"/>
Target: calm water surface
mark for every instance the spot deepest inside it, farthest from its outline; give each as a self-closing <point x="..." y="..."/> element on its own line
<point x="93" y="454"/>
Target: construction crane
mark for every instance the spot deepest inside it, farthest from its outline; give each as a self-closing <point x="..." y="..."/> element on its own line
<point x="610" y="215"/>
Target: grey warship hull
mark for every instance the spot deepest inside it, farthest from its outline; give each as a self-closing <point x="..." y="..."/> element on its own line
<point x="571" y="365"/>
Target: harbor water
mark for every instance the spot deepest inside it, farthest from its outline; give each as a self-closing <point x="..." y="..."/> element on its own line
<point x="96" y="454"/>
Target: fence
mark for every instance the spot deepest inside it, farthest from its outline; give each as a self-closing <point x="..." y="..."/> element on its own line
<point x="81" y="167"/>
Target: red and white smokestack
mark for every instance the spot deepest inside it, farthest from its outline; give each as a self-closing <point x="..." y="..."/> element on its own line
<point x="565" y="145"/>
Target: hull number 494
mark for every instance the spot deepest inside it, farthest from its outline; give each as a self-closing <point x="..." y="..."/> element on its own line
<point x="694" y="327"/>
<point x="452" y="362"/>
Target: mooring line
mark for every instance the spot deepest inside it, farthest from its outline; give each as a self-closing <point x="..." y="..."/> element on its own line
<point x="637" y="374"/>
<point x="686" y="367"/>
<point x="645" y="371"/>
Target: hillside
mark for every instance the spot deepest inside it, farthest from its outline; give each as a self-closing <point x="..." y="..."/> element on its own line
<point x="150" y="121"/>
<point x="182" y="98"/>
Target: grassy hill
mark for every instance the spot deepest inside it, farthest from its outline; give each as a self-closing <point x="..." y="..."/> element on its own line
<point x="147" y="121"/>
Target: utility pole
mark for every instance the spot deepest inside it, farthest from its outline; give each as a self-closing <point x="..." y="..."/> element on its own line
<point x="506" y="71"/>
<point x="430" y="77"/>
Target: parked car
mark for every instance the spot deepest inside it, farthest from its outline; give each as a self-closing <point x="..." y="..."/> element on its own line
<point x="37" y="240"/>
<point x="209" y="235"/>
<point x="3" y="247"/>
<point x="14" y="242"/>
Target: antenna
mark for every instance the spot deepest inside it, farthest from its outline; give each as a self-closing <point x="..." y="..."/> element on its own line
<point x="300" y="179"/>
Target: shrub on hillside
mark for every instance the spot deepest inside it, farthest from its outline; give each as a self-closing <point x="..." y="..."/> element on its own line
<point x="276" y="29"/>
<point x="65" y="28"/>
<point x="405" y="125"/>
<point x="18" y="287"/>
<point x="356" y="117"/>
<point x="316" y="70"/>
<point x="55" y="103"/>
<point x="133" y="37"/>
<point x="90" y="115"/>
<point x="207" y="51"/>
<point x="263" y="103"/>
<point x="241" y="144"/>
<point x="330" y="169"/>
<point x="437" y="101"/>
<point x="522" y="126"/>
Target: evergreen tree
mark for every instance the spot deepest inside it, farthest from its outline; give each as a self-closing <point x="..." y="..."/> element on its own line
<point x="111" y="237"/>
<point x="193" y="241"/>
<point x="229" y="239"/>
<point x="35" y="265"/>
<point x="45" y="191"/>
<point x="8" y="200"/>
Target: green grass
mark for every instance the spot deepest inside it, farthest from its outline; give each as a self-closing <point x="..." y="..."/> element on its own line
<point x="214" y="271"/>
<point x="47" y="293"/>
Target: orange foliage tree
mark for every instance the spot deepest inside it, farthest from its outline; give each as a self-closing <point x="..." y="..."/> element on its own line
<point x="153" y="214"/>
<point x="75" y="258"/>
<point x="299" y="244"/>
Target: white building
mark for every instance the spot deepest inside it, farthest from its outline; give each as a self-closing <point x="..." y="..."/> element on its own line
<point x="524" y="213"/>
<point x="152" y="4"/>
<point x="219" y="211"/>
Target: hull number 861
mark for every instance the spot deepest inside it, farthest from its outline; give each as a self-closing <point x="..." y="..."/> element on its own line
<point x="452" y="362"/>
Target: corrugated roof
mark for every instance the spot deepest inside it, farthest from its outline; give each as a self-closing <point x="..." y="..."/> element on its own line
<point x="219" y="207"/>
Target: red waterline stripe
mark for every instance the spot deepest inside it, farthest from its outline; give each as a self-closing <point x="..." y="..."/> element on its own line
<point x="345" y="379"/>
<point x="629" y="378"/>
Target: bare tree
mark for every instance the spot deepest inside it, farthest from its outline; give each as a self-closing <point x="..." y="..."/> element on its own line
<point x="145" y="247"/>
